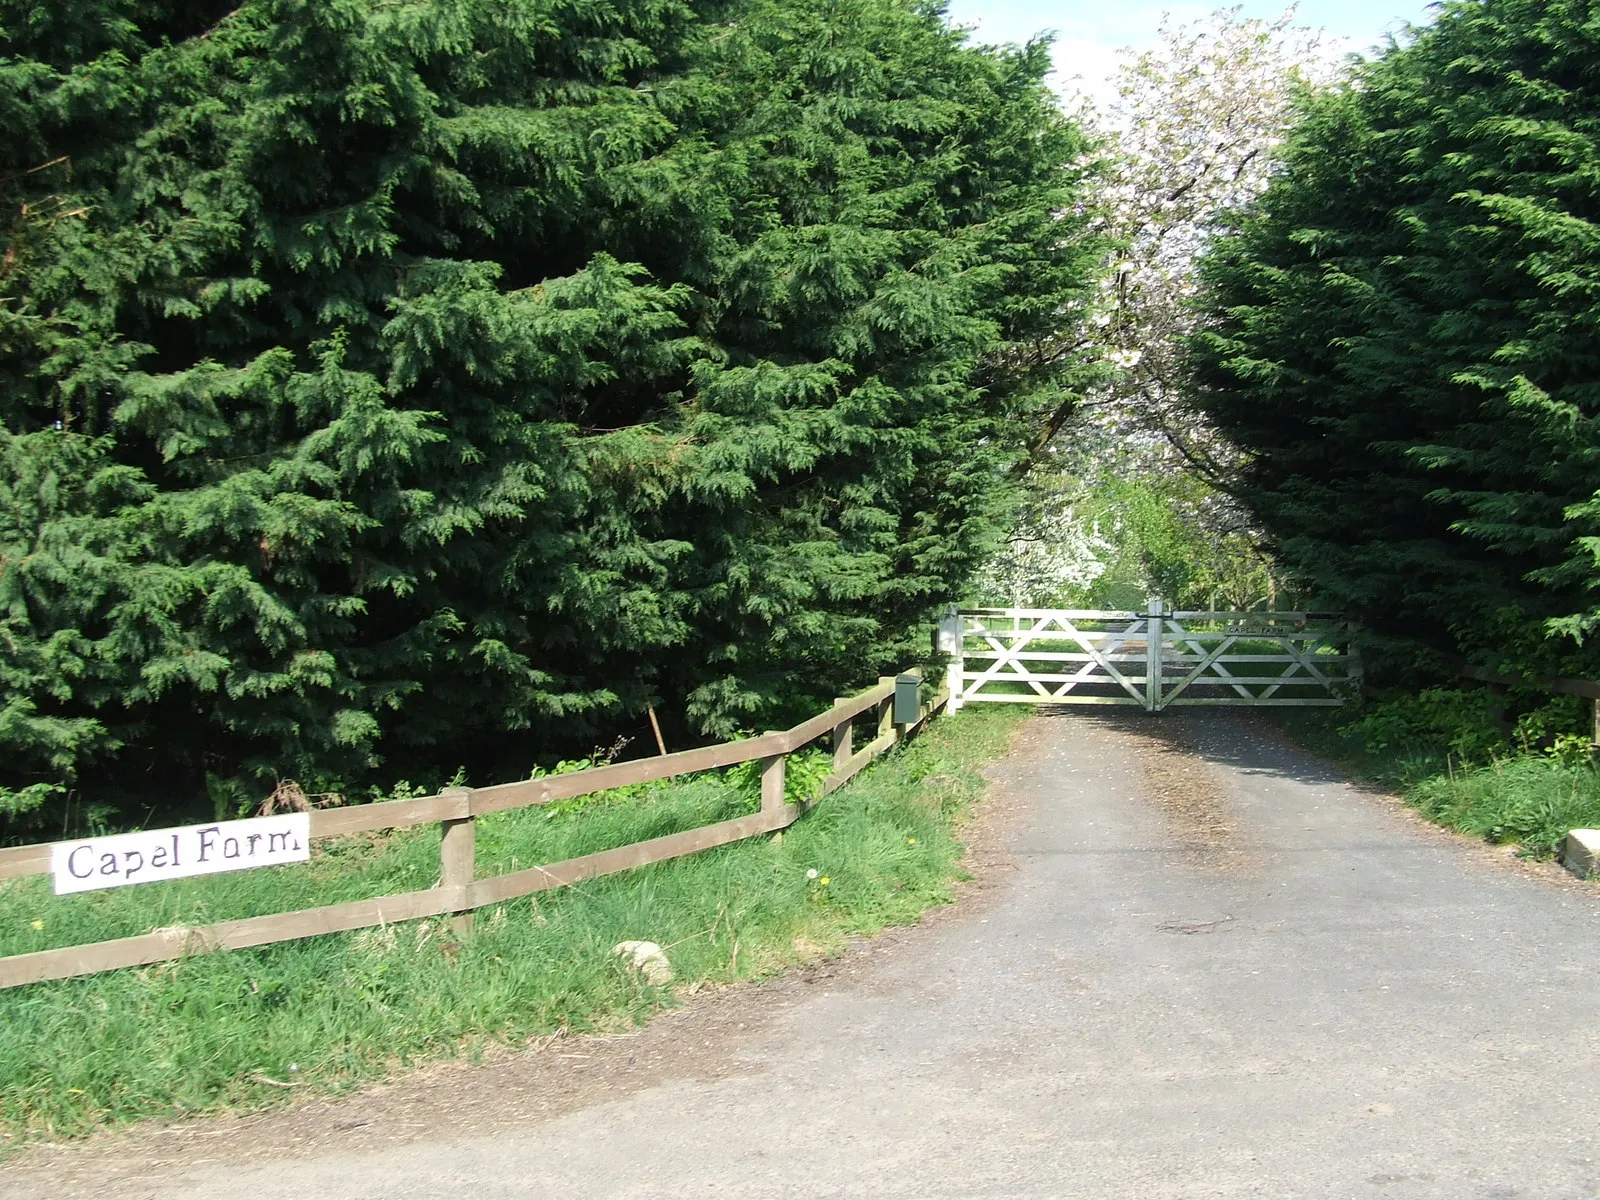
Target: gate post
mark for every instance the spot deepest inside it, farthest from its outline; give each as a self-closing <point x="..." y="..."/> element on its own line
<point x="951" y="640"/>
<point x="1156" y="633"/>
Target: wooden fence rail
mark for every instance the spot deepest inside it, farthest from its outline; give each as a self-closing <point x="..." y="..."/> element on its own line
<point x="1587" y="688"/>
<point x="1567" y="687"/>
<point x="459" y="893"/>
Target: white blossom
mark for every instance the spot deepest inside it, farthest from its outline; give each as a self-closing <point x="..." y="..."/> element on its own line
<point x="1188" y="140"/>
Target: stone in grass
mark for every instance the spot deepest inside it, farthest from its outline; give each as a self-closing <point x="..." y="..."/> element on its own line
<point x="648" y="959"/>
<point x="1581" y="854"/>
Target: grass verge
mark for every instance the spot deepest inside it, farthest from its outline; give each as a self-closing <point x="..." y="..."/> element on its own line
<point x="226" y="1030"/>
<point x="1528" y="799"/>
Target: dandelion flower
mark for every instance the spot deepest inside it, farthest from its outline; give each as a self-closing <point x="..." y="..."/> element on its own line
<point x="911" y="841"/>
<point x="823" y="881"/>
<point x="38" y="924"/>
<point x="811" y="874"/>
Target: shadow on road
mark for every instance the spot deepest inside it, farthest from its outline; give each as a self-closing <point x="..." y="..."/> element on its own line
<point x="1234" y="737"/>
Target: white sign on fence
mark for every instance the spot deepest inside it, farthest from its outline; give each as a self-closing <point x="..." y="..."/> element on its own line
<point x="161" y="854"/>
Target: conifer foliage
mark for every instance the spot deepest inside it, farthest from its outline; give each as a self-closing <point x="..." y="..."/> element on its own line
<point x="396" y="383"/>
<point x="1405" y="338"/>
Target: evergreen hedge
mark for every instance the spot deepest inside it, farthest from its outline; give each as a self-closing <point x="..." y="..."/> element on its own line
<point x="393" y="384"/>
<point x="1405" y="338"/>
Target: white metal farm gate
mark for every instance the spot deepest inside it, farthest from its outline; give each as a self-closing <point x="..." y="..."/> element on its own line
<point x="1154" y="659"/>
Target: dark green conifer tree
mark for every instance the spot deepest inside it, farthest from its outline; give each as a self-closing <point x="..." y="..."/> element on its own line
<point x="1406" y="335"/>
<point x="396" y="385"/>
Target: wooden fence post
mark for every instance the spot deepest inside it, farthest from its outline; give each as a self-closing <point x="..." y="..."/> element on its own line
<point x="772" y="783"/>
<point x="886" y="709"/>
<point x="843" y="741"/>
<point x="458" y="843"/>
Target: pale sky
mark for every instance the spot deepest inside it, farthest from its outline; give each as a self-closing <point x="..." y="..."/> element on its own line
<point x="1088" y="34"/>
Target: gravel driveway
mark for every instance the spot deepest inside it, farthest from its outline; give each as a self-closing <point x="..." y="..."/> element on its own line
<point x="1203" y="965"/>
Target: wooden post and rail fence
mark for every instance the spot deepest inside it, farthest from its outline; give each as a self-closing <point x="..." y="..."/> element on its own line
<point x="1560" y="685"/>
<point x="896" y="703"/>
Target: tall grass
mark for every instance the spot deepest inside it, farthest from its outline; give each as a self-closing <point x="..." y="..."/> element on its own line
<point x="1467" y="776"/>
<point x="222" y="1030"/>
<point x="1533" y="801"/>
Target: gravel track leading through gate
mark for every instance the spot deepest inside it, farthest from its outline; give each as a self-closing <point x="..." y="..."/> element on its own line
<point x="1203" y="965"/>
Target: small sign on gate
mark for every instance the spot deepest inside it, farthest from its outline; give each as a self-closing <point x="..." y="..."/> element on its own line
<point x="161" y="854"/>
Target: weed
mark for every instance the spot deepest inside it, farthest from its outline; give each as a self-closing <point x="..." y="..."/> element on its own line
<point x="803" y="776"/>
<point x="1461" y="722"/>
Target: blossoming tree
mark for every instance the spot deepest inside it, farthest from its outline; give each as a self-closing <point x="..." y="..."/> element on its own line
<point x="1187" y="140"/>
